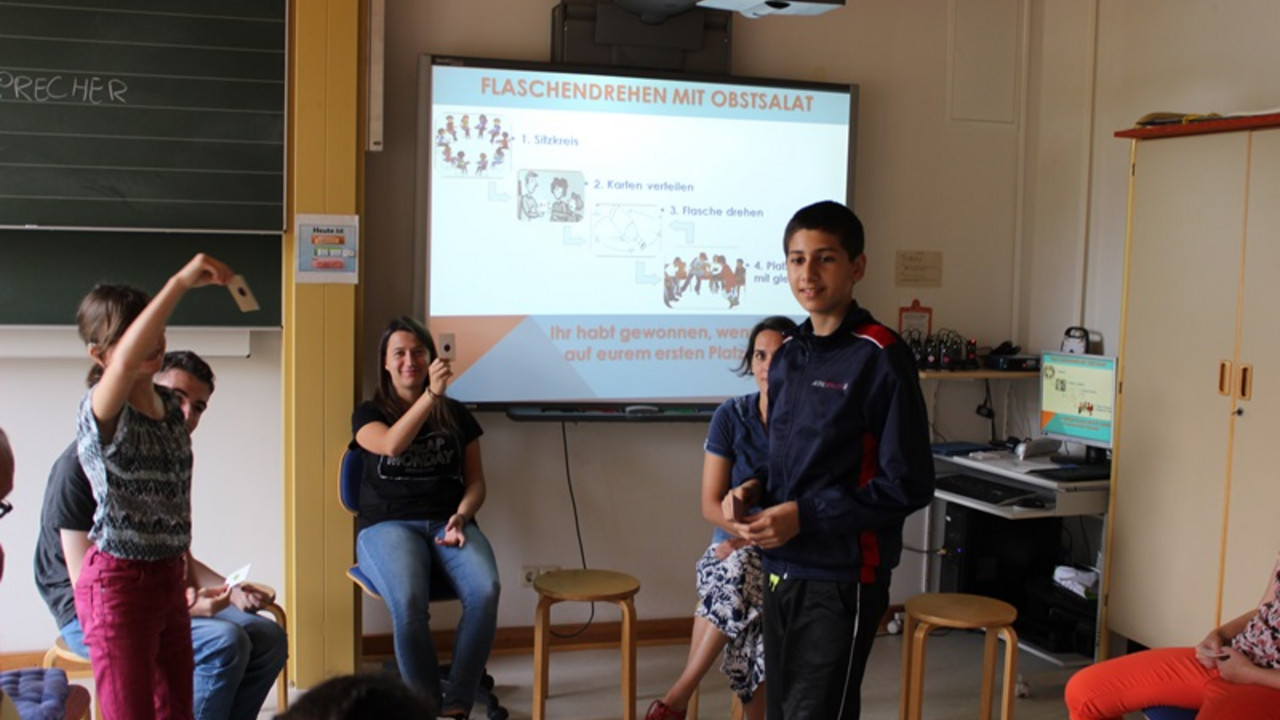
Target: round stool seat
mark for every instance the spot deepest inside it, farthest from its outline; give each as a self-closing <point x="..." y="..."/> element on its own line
<point x="60" y="651"/>
<point x="961" y="611"/>
<point x="586" y="585"/>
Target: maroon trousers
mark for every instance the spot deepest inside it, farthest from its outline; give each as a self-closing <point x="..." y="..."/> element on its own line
<point x="136" y="624"/>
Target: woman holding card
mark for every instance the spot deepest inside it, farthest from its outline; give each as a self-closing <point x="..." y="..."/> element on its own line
<point x="1233" y="673"/>
<point x="423" y="484"/>
<point x="132" y="441"/>
<point x="730" y="580"/>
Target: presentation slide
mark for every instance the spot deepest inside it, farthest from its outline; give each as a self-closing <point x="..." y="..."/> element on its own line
<point x="1077" y="397"/>
<point x="598" y="238"/>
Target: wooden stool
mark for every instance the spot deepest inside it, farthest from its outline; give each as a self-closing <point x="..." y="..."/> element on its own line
<point x="76" y="666"/>
<point x="961" y="612"/>
<point x="584" y="586"/>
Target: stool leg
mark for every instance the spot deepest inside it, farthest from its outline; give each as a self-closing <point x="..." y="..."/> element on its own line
<point x="988" y="672"/>
<point x="1010" y="671"/>
<point x="916" y="707"/>
<point x="908" y="625"/>
<point x="628" y="659"/>
<point x="541" y="656"/>
<point x="691" y="711"/>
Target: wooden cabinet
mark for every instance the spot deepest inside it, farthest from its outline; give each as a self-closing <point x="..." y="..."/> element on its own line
<point x="1194" y="504"/>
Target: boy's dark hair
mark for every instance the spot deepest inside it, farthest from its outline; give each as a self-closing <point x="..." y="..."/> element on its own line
<point x="777" y="323"/>
<point x="103" y="316"/>
<point x="358" y="697"/>
<point x="829" y="217"/>
<point x="190" y="363"/>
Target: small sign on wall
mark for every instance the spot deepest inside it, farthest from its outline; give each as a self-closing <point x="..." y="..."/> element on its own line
<point x="915" y="319"/>
<point x="917" y="269"/>
<point x="327" y="249"/>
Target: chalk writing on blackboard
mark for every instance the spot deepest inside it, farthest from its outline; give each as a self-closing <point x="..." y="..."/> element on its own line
<point x="57" y="87"/>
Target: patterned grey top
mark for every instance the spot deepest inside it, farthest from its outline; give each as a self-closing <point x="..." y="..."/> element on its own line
<point x="141" y="481"/>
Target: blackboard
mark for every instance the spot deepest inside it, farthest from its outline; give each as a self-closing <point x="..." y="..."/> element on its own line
<point x="45" y="273"/>
<point x="148" y="114"/>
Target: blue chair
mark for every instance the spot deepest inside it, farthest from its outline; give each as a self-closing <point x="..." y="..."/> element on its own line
<point x="1169" y="713"/>
<point x="349" y="476"/>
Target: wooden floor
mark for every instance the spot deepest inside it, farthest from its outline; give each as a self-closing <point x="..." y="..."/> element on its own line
<point x="584" y="684"/>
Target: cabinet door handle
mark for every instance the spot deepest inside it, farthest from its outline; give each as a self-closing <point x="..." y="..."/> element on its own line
<point x="1224" y="377"/>
<point x="1246" y="381"/>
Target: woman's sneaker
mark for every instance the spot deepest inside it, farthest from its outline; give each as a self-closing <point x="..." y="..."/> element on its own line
<point x="659" y="711"/>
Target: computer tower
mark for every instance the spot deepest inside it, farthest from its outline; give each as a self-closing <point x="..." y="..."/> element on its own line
<point x="989" y="555"/>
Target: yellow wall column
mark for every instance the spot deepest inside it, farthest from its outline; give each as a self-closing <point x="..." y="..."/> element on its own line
<point x="319" y="341"/>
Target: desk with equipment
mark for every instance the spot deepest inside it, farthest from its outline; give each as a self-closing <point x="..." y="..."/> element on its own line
<point x="1000" y="513"/>
<point x="1001" y="526"/>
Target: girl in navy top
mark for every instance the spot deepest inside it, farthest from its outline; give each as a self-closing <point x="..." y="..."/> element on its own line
<point x="730" y="581"/>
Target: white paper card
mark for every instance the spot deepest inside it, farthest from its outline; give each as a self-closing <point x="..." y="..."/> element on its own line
<point x="238" y="576"/>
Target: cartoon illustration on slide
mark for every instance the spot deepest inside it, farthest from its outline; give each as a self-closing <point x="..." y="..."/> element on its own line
<point x="528" y="209"/>
<point x="626" y="230"/>
<point x="723" y="282"/>
<point x="675" y="280"/>
<point x="565" y="209"/>
<point x="463" y="150"/>
<point x="558" y="201"/>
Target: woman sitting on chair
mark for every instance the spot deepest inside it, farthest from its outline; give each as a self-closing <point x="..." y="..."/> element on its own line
<point x="1233" y="673"/>
<point x="423" y="484"/>
<point x="730" y="579"/>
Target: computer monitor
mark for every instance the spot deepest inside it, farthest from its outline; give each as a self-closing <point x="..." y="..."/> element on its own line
<point x="1078" y="402"/>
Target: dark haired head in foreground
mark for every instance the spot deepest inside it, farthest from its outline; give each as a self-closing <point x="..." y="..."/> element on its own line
<point x="360" y="697"/>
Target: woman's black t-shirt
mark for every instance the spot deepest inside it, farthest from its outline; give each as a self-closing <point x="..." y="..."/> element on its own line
<point x="424" y="482"/>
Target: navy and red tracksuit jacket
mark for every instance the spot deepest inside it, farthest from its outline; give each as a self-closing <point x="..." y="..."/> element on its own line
<point x="849" y="442"/>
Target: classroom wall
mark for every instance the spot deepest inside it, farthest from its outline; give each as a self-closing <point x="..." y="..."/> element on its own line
<point x="236" y="496"/>
<point x="924" y="182"/>
<point x="1029" y="216"/>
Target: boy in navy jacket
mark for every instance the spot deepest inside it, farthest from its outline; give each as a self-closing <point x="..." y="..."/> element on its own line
<point x="849" y="460"/>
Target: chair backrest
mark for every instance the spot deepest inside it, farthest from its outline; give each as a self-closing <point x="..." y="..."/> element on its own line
<point x="349" y="480"/>
<point x="350" y="475"/>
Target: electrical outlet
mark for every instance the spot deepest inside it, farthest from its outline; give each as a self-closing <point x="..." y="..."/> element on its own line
<point x="529" y="573"/>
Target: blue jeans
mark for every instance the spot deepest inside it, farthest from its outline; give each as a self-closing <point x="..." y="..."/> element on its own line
<point x="238" y="656"/>
<point x="397" y="555"/>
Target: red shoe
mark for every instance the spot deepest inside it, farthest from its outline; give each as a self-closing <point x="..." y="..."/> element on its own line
<point x="658" y="710"/>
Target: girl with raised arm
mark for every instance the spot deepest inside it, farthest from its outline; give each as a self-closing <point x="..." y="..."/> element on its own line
<point x="130" y="584"/>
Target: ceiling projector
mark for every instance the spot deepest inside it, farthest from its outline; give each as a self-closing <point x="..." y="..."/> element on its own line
<point x="755" y="8"/>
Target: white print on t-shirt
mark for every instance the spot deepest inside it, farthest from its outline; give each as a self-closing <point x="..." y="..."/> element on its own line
<point x="432" y="456"/>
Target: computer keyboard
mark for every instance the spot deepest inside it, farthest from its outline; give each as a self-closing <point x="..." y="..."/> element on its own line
<point x="1071" y="473"/>
<point x="982" y="489"/>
